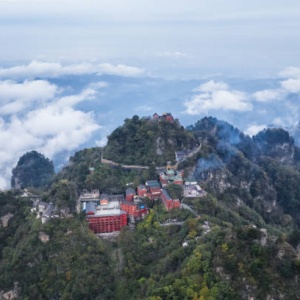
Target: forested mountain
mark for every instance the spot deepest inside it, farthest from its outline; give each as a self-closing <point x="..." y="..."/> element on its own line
<point x="240" y="241"/>
<point x="61" y="259"/>
<point x="264" y="170"/>
<point x="147" y="141"/>
<point x="33" y="170"/>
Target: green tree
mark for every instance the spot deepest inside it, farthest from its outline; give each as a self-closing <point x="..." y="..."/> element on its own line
<point x="175" y="191"/>
<point x="33" y="170"/>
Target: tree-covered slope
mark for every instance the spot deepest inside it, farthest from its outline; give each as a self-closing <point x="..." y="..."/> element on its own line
<point x="262" y="171"/>
<point x="33" y="170"/>
<point x="143" y="141"/>
<point x="86" y="171"/>
<point x="228" y="262"/>
<point x="61" y="259"/>
<point x="240" y="241"/>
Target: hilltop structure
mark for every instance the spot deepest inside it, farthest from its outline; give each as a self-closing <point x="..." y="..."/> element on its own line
<point x="164" y="117"/>
<point x="170" y="175"/>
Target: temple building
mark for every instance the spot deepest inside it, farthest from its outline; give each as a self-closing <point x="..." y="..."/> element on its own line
<point x="103" y="212"/>
<point x="105" y="217"/>
<point x="142" y="190"/>
<point x="135" y="208"/>
<point x="164" y="117"/>
<point x="153" y="189"/>
<point x="129" y="194"/>
<point x="168" y="202"/>
<point x="170" y="175"/>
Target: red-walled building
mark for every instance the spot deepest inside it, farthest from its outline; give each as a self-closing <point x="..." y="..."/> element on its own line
<point x="165" y="117"/>
<point x="104" y="224"/>
<point x="156" y="116"/>
<point x="142" y="190"/>
<point x="134" y="209"/>
<point x="168" y="202"/>
<point x="130" y="193"/>
<point x="168" y="117"/>
<point x="153" y="189"/>
<point x="107" y="217"/>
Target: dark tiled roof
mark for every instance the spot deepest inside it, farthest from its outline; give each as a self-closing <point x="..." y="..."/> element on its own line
<point x="116" y="197"/>
<point x="152" y="183"/>
<point x="166" y="194"/>
<point x="90" y="207"/>
<point x="130" y="191"/>
<point x="103" y="196"/>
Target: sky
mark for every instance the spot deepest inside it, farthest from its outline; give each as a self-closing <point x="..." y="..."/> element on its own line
<point x="192" y="38"/>
<point x="72" y="71"/>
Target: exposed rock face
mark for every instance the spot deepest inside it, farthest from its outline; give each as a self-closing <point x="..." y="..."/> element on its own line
<point x="5" y="219"/>
<point x="285" y="152"/>
<point x="298" y="251"/>
<point x="159" y="146"/>
<point x="264" y="237"/>
<point x="277" y="143"/>
<point x="12" y="294"/>
<point x="44" y="238"/>
<point x="212" y="170"/>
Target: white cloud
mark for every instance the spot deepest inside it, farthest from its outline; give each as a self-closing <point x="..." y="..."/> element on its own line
<point x="99" y="85"/>
<point x="102" y="142"/>
<point x="14" y="97"/>
<point x="211" y="86"/>
<point x="45" y="69"/>
<point x="36" y="118"/>
<point x="77" y="132"/>
<point x="254" y="129"/>
<point x="53" y="119"/>
<point x="206" y="30"/>
<point x="119" y="70"/>
<point x="217" y="96"/>
<point x="290" y="72"/>
<point x="278" y="122"/>
<point x="291" y="85"/>
<point x="50" y="130"/>
<point x="71" y="100"/>
<point x="268" y="95"/>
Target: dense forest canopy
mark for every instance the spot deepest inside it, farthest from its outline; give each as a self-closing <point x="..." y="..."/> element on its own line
<point x="33" y="170"/>
<point x="240" y="240"/>
<point x="147" y="141"/>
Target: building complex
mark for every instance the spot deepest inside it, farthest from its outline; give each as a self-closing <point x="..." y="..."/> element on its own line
<point x="109" y="213"/>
